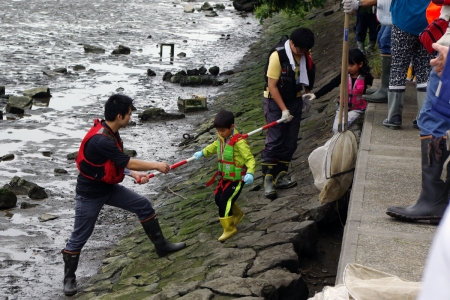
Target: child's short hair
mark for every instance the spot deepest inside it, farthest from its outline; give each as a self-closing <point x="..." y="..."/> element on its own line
<point x="224" y="119"/>
<point x="302" y="38"/>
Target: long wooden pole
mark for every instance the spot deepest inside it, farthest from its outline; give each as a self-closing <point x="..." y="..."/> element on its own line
<point x="343" y="97"/>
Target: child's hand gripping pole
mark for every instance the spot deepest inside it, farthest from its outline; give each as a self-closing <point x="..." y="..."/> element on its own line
<point x="174" y="166"/>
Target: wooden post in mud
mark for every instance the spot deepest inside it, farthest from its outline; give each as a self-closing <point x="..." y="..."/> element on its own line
<point x="172" y="49"/>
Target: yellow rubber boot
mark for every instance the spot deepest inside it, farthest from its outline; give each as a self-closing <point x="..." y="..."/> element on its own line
<point x="229" y="229"/>
<point x="238" y="214"/>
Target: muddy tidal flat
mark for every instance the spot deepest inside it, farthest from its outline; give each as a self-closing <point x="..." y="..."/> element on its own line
<point x="37" y="37"/>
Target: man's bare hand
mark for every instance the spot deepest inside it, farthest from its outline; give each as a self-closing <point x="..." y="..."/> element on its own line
<point x="141" y="178"/>
<point x="163" y="167"/>
<point x="439" y="62"/>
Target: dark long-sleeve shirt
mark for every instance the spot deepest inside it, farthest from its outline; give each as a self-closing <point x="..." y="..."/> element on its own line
<point x="336" y="81"/>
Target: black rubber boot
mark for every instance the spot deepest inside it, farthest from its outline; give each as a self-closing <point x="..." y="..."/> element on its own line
<point x="162" y="246"/>
<point x="268" y="170"/>
<point x="70" y="267"/>
<point x="395" y="109"/>
<point x="381" y="94"/>
<point x="282" y="181"/>
<point x="433" y="199"/>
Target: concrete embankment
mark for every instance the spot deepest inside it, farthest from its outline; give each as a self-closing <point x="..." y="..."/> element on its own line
<point x="263" y="260"/>
<point x="388" y="173"/>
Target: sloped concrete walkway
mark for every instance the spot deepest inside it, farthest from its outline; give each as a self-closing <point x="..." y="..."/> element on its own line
<point x="388" y="172"/>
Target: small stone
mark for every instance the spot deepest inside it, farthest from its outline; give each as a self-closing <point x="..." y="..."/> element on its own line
<point x="47" y="217"/>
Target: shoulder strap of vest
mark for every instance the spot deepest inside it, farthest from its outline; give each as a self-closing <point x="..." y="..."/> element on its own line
<point x="282" y="56"/>
<point x="236" y="138"/>
<point x="277" y="47"/>
<point x="108" y="132"/>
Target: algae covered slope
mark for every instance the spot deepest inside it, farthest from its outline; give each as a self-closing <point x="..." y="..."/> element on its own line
<point x="264" y="259"/>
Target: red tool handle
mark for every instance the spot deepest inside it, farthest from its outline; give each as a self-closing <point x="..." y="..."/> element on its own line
<point x="174" y="166"/>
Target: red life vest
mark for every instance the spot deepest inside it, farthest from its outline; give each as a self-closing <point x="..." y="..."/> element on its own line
<point x="355" y="92"/>
<point x="107" y="172"/>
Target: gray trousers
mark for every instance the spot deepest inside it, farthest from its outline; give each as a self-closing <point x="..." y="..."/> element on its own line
<point x="87" y="210"/>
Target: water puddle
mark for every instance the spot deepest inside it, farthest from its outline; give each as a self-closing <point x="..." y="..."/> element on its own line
<point x="13" y="232"/>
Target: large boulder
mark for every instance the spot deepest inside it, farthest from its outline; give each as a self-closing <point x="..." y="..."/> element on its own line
<point x="93" y="49"/>
<point x="17" y="105"/>
<point x="158" y="114"/>
<point x="20" y="186"/>
<point x="7" y="199"/>
<point x="245" y="5"/>
<point x="38" y="92"/>
<point x="121" y="49"/>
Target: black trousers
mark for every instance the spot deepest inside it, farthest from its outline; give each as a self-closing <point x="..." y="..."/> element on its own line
<point x="226" y="193"/>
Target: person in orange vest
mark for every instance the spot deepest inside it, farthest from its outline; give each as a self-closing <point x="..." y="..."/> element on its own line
<point x="103" y="165"/>
<point x="236" y="166"/>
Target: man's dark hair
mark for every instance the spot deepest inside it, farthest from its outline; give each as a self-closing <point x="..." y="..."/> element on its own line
<point x="224" y="119"/>
<point x="117" y="104"/>
<point x="302" y="38"/>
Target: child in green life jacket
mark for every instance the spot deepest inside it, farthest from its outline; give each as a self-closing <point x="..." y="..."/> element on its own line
<point x="236" y="165"/>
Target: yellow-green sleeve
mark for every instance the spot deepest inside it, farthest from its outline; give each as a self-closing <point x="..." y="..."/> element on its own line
<point x="246" y="155"/>
<point x="210" y="149"/>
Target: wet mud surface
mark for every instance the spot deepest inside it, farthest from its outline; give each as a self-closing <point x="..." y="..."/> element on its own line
<point x="44" y="35"/>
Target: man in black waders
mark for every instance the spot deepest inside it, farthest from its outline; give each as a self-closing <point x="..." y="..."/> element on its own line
<point x="103" y="165"/>
<point x="288" y="71"/>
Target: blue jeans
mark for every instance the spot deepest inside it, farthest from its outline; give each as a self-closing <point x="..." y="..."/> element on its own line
<point x="87" y="210"/>
<point x="429" y="123"/>
<point x="384" y="39"/>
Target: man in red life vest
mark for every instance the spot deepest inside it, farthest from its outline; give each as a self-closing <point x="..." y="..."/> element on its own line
<point x="103" y="165"/>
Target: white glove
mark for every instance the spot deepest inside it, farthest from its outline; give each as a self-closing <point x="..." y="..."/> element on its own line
<point x="286" y="115"/>
<point x="350" y="6"/>
<point x="445" y="12"/>
<point x="445" y="39"/>
<point x="307" y="99"/>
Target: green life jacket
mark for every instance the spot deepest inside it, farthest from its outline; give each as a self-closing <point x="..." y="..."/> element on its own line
<point x="226" y="164"/>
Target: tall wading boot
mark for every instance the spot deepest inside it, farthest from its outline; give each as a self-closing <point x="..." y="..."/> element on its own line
<point x="360" y="46"/>
<point x="70" y="267"/>
<point x="395" y="109"/>
<point x="421" y="95"/>
<point x="238" y="214"/>
<point x="433" y="199"/>
<point x="162" y="246"/>
<point x="371" y="47"/>
<point x="229" y="228"/>
<point x="381" y="94"/>
<point x="268" y="170"/>
<point x="282" y="181"/>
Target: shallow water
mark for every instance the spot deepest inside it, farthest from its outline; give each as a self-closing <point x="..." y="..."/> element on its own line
<point x="40" y="35"/>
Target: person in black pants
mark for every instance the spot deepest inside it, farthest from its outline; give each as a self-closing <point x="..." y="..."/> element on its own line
<point x="103" y="165"/>
<point x="289" y="71"/>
